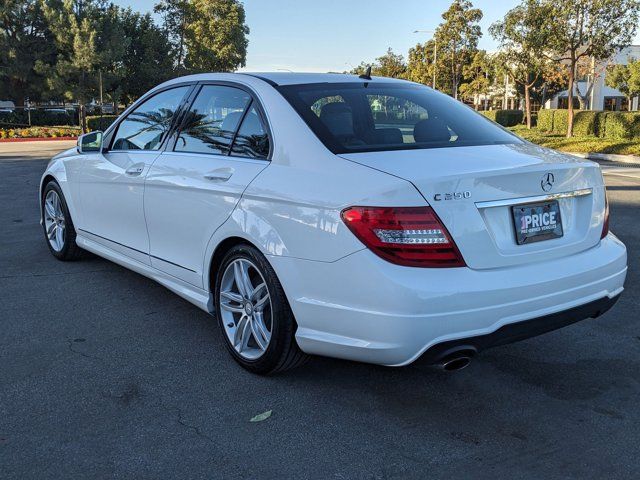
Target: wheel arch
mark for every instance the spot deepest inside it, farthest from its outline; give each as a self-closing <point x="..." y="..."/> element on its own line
<point x="218" y="255"/>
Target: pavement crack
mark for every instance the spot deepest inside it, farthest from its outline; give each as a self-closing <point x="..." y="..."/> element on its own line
<point x="194" y="428"/>
<point x="70" y="343"/>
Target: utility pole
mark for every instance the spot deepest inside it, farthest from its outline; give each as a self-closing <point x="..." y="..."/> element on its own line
<point x="435" y="54"/>
<point x="100" y="81"/>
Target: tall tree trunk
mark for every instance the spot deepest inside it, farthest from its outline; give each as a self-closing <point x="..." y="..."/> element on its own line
<point x="527" y="105"/>
<point x="572" y="71"/>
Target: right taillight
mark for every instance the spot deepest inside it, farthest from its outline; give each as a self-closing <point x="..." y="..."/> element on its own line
<point x="605" y="224"/>
<point x="410" y="236"/>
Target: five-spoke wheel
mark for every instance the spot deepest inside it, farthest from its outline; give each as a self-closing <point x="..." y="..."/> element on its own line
<point x="246" y="308"/>
<point x="54" y="221"/>
<point x="58" y="226"/>
<point x="254" y="314"/>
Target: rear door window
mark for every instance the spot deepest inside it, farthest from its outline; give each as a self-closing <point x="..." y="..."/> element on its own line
<point x="252" y="139"/>
<point x="212" y="121"/>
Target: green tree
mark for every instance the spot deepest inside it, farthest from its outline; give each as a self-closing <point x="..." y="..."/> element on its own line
<point x="457" y="39"/>
<point x="388" y="65"/>
<point x="216" y="36"/>
<point x="146" y="60"/>
<point x="574" y="29"/>
<point x="420" y="64"/>
<point x="176" y="15"/>
<point x="625" y="78"/>
<point x="25" y="41"/>
<point x="74" y="26"/>
<point x="479" y="77"/>
<point x="522" y="44"/>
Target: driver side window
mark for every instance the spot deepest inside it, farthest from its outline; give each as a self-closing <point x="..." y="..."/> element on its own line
<point x="147" y="126"/>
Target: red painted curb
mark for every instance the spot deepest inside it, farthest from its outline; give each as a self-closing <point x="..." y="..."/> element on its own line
<point x="36" y="139"/>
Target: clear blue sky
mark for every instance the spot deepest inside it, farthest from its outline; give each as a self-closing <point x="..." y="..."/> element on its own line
<point x="332" y="35"/>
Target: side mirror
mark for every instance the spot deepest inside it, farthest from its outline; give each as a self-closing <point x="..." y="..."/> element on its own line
<point x="90" y="142"/>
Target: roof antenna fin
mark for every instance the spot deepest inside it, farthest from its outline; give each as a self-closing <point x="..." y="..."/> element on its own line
<point x="367" y="74"/>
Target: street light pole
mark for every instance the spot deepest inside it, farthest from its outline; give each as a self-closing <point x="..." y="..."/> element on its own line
<point x="435" y="54"/>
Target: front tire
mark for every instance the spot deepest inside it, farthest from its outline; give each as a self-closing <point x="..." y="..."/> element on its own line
<point x="58" y="225"/>
<point x="256" y="321"/>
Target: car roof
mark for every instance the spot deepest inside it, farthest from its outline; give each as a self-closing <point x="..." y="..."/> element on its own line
<point x="282" y="78"/>
<point x="298" y="78"/>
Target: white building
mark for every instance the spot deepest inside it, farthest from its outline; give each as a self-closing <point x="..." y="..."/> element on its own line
<point x="601" y="96"/>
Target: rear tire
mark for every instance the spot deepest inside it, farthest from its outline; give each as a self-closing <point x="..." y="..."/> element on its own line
<point x="59" y="231"/>
<point x="254" y="315"/>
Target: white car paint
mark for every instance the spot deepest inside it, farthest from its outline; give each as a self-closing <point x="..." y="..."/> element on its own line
<point x="167" y="223"/>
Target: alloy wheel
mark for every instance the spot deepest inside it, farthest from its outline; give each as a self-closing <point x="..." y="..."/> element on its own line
<point x="54" y="220"/>
<point x="246" y="310"/>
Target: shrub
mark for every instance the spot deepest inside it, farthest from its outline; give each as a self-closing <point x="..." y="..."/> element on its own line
<point x="622" y="125"/>
<point x="545" y="119"/>
<point x="506" y="118"/>
<point x="585" y="123"/>
<point x="39" y="118"/>
<point x="100" y="123"/>
<point x="561" y="120"/>
<point x="601" y="124"/>
<point x="39" y="132"/>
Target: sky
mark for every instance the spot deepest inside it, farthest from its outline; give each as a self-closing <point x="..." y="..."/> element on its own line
<point x="334" y="35"/>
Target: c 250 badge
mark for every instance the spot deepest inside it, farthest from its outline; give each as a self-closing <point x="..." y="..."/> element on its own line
<point x="452" y="196"/>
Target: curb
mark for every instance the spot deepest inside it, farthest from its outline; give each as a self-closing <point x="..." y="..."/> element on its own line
<point x="608" y="157"/>
<point x="36" y="139"/>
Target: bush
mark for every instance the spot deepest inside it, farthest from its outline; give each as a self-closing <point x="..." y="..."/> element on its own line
<point x="561" y="121"/>
<point x="39" y="118"/>
<point x="100" y="122"/>
<point x="601" y="124"/>
<point x="39" y="132"/>
<point x="506" y="118"/>
<point x="622" y="125"/>
<point x="585" y="123"/>
<point x="545" y="120"/>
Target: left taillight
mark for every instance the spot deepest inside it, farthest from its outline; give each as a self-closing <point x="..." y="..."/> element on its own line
<point x="409" y="236"/>
<point x="605" y="224"/>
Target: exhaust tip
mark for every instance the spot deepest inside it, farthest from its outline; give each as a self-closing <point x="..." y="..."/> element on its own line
<point x="457" y="363"/>
<point x="457" y="359"/>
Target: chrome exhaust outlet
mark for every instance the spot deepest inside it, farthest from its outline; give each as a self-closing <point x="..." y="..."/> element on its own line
<point x="456" y="363"/>
<point x="456" y="360"/>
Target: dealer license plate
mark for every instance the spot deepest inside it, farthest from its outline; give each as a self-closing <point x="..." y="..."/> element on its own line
<point x="534" y="222"/>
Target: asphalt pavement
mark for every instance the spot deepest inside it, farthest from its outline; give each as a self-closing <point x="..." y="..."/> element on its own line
<point x="106" y="374"/>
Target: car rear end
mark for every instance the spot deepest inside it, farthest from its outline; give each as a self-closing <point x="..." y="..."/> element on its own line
<point x="512" y="240"/>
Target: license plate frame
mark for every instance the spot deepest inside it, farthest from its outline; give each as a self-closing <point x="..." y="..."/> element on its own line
<point x="538" y="226"/>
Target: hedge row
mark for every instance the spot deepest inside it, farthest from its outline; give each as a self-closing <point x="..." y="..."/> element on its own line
<point x="622" y="125"/>
<point x="39" y="118"/>
<point x="39" y="132"/>
<point x="100" y="122"/>
<point x="506" y="118"/>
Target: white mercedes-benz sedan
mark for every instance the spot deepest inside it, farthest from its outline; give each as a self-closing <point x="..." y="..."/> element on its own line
<point x="363" y="218"/>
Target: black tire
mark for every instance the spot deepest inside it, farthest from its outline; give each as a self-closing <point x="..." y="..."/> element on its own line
<point x="70" y="250"/>
<point x="282" y="352"/>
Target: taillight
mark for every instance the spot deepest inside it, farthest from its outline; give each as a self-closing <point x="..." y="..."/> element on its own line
<point x="410" y="236"/>
<point x="605" y="224"/>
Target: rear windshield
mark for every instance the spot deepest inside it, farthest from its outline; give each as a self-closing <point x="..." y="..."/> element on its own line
<point x="372" y="116"/>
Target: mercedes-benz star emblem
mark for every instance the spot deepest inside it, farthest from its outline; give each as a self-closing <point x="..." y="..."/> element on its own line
<point x="547" y="181"/>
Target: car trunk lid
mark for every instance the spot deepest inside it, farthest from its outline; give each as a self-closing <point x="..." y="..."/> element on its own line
<point x="473" y="190"/>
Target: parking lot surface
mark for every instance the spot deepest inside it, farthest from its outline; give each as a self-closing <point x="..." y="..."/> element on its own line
<point x="106" y="374"/>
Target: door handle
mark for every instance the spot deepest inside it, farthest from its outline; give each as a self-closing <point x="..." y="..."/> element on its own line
<point x="219" y="175"/>
<point x="135" y="170"/>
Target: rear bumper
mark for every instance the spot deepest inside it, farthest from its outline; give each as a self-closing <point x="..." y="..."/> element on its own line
<point x="366" y="309"/>
<point x="514" y="332"/>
